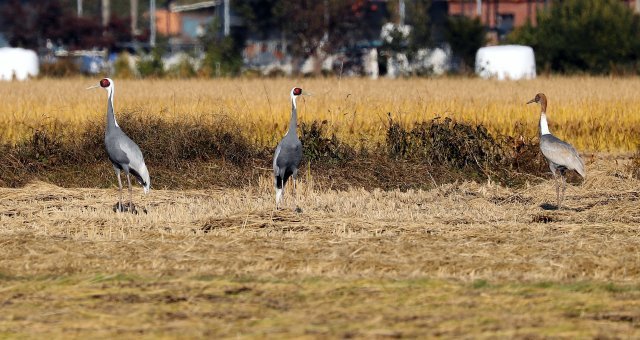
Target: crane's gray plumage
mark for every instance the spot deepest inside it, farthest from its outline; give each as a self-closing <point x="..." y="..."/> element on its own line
<point x="561" y="155"/>
<point x="124" y="154"/>
<point x="288" y="154"/>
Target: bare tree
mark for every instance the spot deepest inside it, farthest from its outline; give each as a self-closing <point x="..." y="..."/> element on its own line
<point x="106" y="12"/>
<point x="317" y="28"/>
<point x="134" y="16"/>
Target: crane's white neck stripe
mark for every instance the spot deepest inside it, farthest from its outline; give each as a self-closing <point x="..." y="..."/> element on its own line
<point x="293" y="122"/>
<point x="544" y="127"/>
<point x="110" y="93"/>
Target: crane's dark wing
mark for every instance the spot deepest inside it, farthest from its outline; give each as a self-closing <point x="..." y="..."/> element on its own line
<point x="276" y="168"/>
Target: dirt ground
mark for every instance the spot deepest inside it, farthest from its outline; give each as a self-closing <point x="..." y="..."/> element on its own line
<point x="468" y="259"/>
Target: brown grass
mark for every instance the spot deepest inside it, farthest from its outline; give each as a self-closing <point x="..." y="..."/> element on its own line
<point x="470" y="259"/>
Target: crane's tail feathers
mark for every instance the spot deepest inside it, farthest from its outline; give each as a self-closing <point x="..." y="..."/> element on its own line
<point x="580" y="167"/>
<point x="143" y="178"/>
<point x="583" y="174"/>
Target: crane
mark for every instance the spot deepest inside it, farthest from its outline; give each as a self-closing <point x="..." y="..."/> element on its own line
<point x="560" y="154"/>
<point x="124" y="154"/>
<point x="288" y="154"/>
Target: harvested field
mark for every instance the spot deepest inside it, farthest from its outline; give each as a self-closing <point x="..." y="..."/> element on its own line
<point x="463" y="259"/>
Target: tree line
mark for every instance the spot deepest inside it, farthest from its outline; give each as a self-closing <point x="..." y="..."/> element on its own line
<point x="571" y="36"/>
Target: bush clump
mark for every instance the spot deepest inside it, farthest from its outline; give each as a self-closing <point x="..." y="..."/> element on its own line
<point x="201" y="152"/>
<point x="317" y="146"/>
<point x="463" y="147"/>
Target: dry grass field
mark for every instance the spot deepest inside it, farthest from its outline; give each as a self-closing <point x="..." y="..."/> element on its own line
<point x="596" y="113"/>
<point x="465" y="259"/>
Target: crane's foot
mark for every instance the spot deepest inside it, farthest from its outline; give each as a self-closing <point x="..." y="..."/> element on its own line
<point x="118" y="207"/>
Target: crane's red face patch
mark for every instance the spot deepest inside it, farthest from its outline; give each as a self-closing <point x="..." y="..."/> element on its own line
<point x="297" y="91"/>
<point x="105" y="83"/>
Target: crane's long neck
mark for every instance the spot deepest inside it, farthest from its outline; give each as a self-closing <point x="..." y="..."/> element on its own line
<point x="544" y="127"/>
<point x="111" y="117"/>
<point x="293" y="122"/>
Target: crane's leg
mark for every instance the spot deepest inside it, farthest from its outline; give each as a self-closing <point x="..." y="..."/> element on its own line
<point x="120" y="206"/>
<point x="279" y="190"/>
<point x="296" y="207"/>
<point x="130" y="195"/>
<point x="564" y="187"/>
<point x="555" y="178"/>
<point x="295" y="193"/>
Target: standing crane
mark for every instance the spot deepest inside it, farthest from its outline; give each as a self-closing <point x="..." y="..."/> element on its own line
<point x="288" y="152"/>
<point x="124" y="154"/>
<point x="560" y="155"/>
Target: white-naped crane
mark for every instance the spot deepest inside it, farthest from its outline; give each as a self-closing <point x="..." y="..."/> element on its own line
<point x="288" y="154"/>
<point x="124" y="154"/>
<point x="560" y="154"/>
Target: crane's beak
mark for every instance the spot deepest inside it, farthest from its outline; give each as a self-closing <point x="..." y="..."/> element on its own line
<point x="531" y="101"/>
<point x="93" y="87"/>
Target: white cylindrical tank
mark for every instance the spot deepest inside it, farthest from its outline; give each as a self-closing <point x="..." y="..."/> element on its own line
<point x="18" y="63"/>
<point x="506" y="62"/>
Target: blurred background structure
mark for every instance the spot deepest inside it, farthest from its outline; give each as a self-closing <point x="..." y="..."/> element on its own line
<point x="392" y="38"/>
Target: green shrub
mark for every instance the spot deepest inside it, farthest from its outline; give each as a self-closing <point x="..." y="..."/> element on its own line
<point x="595" y="36"/>
<point x="151" y="66"/>
<point x="223" y="58"/>
<point x="122" y="66"/>
<point x="465" y="36"/>
<point x="184" y="69"/>
<point x="60" y="68"/>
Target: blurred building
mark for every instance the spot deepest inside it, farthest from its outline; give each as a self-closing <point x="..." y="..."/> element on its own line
<point x="186" y="22"/>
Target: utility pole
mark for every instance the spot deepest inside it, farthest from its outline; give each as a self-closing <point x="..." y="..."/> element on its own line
<point x="106" y="12"/>
<point x="134" y="17"/>
<point x="152" y="23"/>
<point x="479" y="7"/>
<point x="79" y="8"/>
<point x="401" y="10"/>
<point x="227" y="24"/>
<point x="326" y="20"/>
<point x="637" y="8"/>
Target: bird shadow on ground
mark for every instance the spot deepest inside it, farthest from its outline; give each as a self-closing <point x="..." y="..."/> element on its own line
<point x="553" y="207"/>
<point x="548" y="206"/>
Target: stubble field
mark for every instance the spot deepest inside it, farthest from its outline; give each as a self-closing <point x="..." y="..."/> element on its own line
<point x="463" y="259"/>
